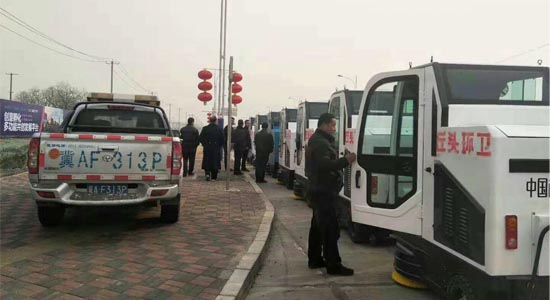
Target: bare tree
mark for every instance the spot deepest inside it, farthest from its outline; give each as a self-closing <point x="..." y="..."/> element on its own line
<point x="31" y="96"/>
<point x="62" y="95"/>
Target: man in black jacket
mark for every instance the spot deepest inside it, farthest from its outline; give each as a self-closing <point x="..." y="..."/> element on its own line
<point x="211" y="138"/>
<point x="189" y="141"/>
<point x="264" y="146"/>
<point x="239" y="145"/>
<point x="324" y="171"/>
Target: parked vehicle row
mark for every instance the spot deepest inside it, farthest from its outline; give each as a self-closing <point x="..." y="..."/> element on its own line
<point x="454" y="161"/>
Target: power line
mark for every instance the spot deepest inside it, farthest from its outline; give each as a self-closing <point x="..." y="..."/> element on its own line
<point x="132" y="79"/>
<point x="523" y="53"/>
<point x="22" y="23"/>
<point x="51" y="49"/>
<point x="123" y="80"/>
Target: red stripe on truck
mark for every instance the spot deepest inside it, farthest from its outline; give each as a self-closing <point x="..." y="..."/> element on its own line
<point x="148" y="177"/>
<point x="121" y="177"/>
<point x="141" y="138"/>
<point x="166" y="139"/>
<point x="93" y="177"/>
<point x="64" y="177"/>
<point x="85" y="137"/>
<point x="57" y="135"/>
<point x="114" y="137"/>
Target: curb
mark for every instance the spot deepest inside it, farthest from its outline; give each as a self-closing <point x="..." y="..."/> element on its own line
<point x="238" y="285"/>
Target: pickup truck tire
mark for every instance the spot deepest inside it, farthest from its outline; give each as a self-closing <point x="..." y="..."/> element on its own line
<point x="50" y="215"/>
<point x="170" y="213"/>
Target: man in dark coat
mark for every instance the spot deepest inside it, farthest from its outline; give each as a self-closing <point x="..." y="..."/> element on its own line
<point x="211" y="138"/>
<point x="247" y="147"/>
<point x="264" y="146"/>
<point x="189" y="141"/>
<point x="239" y="144"/>
<point x="324" y="171"/>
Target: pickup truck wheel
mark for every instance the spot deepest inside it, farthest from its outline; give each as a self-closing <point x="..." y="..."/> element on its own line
<point x="50" y="215"/>
<point x="170" y="213"/>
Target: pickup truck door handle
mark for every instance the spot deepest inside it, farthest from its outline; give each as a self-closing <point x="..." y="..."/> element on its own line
<point x="357" y="178"/>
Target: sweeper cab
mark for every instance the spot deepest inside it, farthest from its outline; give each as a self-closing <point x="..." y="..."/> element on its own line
<point x="457" y="165"/>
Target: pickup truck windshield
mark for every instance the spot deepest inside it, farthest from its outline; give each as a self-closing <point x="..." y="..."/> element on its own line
<point x="116" y="120"/>
<point x="513" y="85"/>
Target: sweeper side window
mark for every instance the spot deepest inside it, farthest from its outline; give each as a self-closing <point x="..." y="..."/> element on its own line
<point x="388" y="142"/>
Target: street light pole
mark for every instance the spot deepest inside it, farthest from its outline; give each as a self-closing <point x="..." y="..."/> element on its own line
<point x="354" y="81"/>
<point x="229" y="127"/>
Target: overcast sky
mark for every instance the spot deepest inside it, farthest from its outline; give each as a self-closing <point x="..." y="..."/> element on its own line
<point x="283" y="48"/>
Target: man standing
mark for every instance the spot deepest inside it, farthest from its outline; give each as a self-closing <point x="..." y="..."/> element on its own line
<point x="264" y="146"/>
<point x="239" y="142"/>
<point x="189" y="141"/>
<point x="248" y="146"/>
<point x="324" y="171"/>
<point x="211" y="138"/>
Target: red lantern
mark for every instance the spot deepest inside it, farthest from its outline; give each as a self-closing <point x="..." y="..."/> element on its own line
<point x="205" y="86"/>
<point x="236" y="99"/>
<point x="204" y="97"/>
<point x="237" y="77"/>
<point x="205" y="74"/>
<point x="236" y="88"/>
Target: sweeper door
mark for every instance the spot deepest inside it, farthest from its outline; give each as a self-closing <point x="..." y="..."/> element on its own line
<point x="387" y="189"/>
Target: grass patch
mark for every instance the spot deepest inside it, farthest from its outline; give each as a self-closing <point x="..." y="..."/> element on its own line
<point x="13" y="155"/>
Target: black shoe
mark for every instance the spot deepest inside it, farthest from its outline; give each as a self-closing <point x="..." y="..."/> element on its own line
<point x="340" y="270"/>
<point x="245" y="170"/>
<point x="207" y="177"/>
<point x="191" y="174"/>
<point x="261" y="181"/>
<point x="184" y="175"/>
<point x="238" y="173"/>
<point x="316" y="264"/>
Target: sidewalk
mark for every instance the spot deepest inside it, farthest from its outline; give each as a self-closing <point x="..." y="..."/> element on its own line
<point x="128" y="253"/>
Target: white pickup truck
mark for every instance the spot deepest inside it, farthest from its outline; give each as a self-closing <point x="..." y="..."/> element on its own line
<point x="111" y="153"/>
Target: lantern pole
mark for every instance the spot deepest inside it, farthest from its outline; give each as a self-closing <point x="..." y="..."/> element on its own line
<point x="229" y="127"/>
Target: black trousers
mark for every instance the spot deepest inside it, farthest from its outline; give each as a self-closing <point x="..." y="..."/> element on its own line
<point x="261" y="163"/>
<point x="189" y="155"/>
<point x="238" y="160"/>
<point x="245" y="157"/>
<point x="324" y="231"/>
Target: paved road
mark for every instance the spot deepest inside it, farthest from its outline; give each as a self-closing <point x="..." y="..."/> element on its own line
<point x="126" y="253"/>
<point x="284" y="274"/>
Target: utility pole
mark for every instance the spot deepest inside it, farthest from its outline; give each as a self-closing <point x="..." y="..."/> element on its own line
<point x="11" y="81"/>
<point x="229" y="128"/>
<point x="112" y="63"/>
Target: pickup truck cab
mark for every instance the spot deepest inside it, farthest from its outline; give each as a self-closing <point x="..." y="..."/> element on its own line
<point x="110" y="153"/>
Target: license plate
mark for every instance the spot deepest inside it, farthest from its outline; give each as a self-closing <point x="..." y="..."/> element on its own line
<point x="107" y="189"/>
